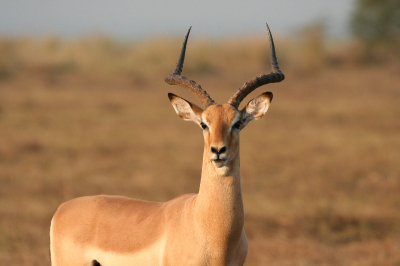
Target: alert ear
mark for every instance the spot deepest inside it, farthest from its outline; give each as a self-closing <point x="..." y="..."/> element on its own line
<point x="256" y="108"/>
<point x="185" y="109"/>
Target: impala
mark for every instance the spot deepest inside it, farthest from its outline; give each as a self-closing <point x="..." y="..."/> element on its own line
<point x="194" y="229"/>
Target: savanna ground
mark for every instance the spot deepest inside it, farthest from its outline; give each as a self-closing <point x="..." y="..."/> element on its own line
<point x="320" y="172"/>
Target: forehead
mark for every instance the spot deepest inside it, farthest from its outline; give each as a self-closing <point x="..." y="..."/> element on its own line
<point x="220" y="112"/>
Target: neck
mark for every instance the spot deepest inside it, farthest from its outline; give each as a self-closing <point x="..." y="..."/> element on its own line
<point x="219" y="204"/>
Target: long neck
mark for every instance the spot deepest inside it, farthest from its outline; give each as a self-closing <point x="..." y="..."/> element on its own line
<point x="219" y="204"/>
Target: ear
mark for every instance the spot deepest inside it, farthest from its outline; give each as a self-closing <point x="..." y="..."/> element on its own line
<point x="256" y="108"/>
<point x="185" y="109"/>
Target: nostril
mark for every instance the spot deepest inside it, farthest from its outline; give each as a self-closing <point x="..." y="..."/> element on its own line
<point x="222" y="150"/>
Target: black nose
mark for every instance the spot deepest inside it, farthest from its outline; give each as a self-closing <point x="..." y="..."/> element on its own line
<point x="214" y="150"/>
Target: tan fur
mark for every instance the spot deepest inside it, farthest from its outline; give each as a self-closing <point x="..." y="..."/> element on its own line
<point x="193" y="229"/>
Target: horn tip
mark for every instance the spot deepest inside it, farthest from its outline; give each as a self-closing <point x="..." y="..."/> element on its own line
<point x="267" y="27"/>
<point x="269" y="30"/>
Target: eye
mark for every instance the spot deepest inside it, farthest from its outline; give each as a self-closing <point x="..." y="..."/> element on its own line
<point x="237" y="125"/>
<point x="203" y="126"/>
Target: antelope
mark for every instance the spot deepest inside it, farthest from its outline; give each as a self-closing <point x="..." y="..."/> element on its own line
<point x="193" y="229"/>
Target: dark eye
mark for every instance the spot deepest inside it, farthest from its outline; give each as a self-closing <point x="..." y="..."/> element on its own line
<point x="237" y="125"/>
<point x="203" y="126"/>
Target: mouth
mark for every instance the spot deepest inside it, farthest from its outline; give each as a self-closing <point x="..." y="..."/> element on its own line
<point x="219" y="162"/>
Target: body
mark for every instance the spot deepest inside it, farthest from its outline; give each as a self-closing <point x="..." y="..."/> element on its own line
<point x="121" y="235"/>
<point x="194" y="229"/>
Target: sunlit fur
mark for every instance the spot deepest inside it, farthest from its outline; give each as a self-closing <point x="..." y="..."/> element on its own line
<point x="193" y="229"/>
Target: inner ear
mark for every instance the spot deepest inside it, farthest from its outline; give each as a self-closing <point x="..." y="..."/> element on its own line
<point x="185" y="109"/>
<point x="257" y="107"/>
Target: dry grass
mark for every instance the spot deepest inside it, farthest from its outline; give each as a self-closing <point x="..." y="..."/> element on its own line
<point x="321" y="172"/>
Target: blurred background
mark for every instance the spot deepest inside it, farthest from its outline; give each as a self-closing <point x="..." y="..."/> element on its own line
<point x="84" y="111"/>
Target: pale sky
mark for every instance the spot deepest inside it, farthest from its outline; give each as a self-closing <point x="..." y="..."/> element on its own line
<point x="132" y="19"/>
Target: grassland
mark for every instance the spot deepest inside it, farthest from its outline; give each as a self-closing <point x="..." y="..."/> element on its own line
<point x="320" y="173"/>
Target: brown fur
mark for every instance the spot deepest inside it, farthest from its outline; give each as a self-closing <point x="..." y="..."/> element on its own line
<point x="193" y="229"/>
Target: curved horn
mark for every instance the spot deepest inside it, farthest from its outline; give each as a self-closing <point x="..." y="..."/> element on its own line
<point x="176" y="79"/>
<point x="275" y="76"/>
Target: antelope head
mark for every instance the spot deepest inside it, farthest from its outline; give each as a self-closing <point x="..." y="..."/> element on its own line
<point x="221" y="123"/>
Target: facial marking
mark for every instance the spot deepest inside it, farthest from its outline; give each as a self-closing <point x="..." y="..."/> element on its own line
<point x="219" y="142"/>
